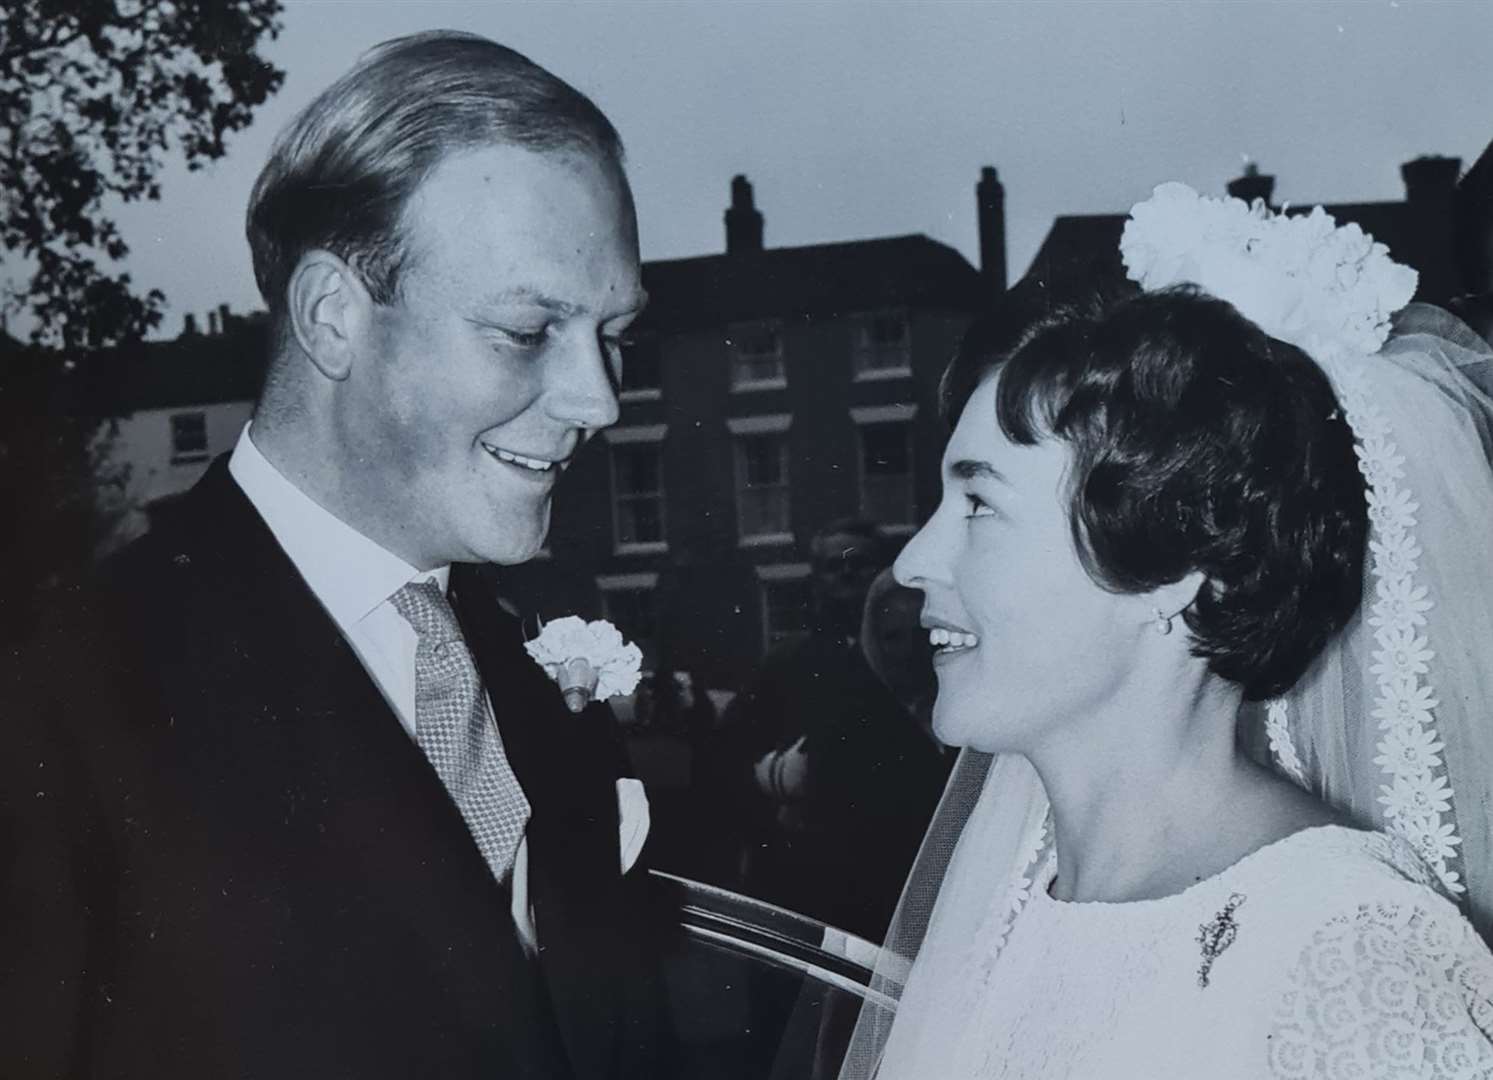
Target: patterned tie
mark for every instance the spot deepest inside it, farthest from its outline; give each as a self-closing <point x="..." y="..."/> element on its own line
<point x="453" y="728"/>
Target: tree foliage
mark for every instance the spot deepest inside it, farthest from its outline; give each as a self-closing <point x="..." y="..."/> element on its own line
<point x="64" y="497"/>
<point x="93" y="95"/>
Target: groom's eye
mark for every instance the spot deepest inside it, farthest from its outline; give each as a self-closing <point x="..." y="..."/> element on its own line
<point x="527" y="339"/>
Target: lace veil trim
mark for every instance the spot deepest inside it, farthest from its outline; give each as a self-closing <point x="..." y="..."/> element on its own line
<point x="1417" y="799"/>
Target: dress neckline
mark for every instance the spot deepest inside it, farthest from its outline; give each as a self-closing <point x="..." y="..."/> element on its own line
<point x="1250" y="861"/>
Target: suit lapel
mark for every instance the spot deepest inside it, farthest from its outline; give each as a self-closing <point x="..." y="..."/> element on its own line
<point x="395" y="805"/>
<point x="572" y="834"/>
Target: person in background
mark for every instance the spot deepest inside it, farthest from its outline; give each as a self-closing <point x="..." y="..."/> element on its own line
<point x="852" y="793"/>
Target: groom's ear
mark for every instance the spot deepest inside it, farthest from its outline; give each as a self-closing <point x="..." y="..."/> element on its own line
<point x="328" y="309"/>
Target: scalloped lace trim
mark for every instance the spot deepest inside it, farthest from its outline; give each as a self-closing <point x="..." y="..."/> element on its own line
<point x="1276" y="727"/>
<point x="1017" y="894"/>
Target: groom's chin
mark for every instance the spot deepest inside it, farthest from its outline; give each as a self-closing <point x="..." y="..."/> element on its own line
<point x="517" y="546"/>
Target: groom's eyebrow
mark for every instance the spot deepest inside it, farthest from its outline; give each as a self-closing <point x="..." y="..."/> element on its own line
<point x="523" y="294"/>
<point x="974" y="469"/>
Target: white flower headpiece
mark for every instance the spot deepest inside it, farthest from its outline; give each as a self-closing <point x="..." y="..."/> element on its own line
<point x="1328" y="289"/>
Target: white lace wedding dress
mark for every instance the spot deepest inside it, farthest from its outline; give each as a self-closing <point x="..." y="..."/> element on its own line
<point x="1326" y="954"/>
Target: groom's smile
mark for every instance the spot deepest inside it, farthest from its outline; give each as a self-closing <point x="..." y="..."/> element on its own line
<point x="532" y="464"/>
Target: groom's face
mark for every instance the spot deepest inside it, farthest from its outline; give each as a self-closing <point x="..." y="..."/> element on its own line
<point x="497" y="359"/>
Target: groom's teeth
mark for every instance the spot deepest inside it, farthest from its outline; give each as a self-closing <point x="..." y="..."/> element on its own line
<point x="518" y="459"/>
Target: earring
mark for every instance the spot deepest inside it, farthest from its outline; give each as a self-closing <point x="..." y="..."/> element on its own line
<point x="1163" y="623"/>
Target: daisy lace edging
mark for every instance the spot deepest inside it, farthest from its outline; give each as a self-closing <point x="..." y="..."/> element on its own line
<point x="1417" y="799"/>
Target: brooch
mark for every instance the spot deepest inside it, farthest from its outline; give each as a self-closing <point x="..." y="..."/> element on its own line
<point x="1217" y="935"/>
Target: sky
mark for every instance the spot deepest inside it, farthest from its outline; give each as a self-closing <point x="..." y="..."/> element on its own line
<point x="860" y="118"/>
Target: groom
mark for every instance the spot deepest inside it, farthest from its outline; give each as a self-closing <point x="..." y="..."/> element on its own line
<point x="283" y="796"/>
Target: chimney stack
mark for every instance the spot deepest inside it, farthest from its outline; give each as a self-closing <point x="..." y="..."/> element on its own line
<point x="189" y="325"/>
<point x="212" y="322"/>
<point x="1430" y="242"/>
<point x="1252" y="185"/>
<point x="1473" y="214"/>
<point x="990" y="201"/>
<point x="743" y="221"/>
<point x="223" y="318"/>
<point x="1430" y="179"/>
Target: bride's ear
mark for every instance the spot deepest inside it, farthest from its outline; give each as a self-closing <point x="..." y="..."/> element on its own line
<point x="1171" y="600"/>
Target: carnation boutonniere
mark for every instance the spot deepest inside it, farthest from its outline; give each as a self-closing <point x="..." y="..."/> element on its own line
<point x="589" y="661"/>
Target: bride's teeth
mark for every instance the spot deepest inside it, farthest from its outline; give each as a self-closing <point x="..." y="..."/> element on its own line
<point x="941" y="638"/>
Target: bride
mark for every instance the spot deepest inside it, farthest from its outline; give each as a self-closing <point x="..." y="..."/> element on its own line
<point x="1176" y="526"/>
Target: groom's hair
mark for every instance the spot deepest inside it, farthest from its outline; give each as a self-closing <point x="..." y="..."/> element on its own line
<point x="340" y="175"/>
<point x="1198" y="443"/>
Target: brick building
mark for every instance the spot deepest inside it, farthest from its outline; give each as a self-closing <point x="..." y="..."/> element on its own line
<point x="172" y="406"/>
<point x="769" y="392"/>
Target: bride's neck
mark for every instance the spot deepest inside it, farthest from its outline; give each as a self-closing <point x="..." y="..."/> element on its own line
<point x="1146" y="801"/>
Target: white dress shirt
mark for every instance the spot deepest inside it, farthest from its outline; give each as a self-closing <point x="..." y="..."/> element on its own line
<point x="353" y="578"/>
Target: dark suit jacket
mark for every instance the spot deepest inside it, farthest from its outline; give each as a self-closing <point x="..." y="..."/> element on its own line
<point x="221" y="855"/>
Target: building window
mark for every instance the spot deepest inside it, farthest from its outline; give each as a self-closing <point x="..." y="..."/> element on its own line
<point x="757" y="357"/>
<point x="629" y="601"/>
<point x="886" y="473"/>
<point x="642" y="375"/>
<point x="188" y="437"/>
<point x="762" y="488"/>
<point x="638" y="488"/>
<point x="785" y="602"/>
<point x="887" y="494"/>
<point x="882" y="345"/>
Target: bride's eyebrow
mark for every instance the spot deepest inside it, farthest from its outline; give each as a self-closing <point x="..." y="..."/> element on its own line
<point x="974" y="469"/>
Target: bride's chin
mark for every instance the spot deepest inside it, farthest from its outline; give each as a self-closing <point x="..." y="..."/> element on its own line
<point x="972" y="729"/>
<point x="953" y="729"/>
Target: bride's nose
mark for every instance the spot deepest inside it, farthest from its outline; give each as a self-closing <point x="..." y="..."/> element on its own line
<point x="915" y="566"/>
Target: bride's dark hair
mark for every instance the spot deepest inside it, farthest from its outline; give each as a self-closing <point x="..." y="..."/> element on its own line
<point x="1199" y="443"/>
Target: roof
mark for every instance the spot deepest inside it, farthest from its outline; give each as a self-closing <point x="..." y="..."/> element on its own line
<point x="1080" y="245"/>
<point x="820" y="279"/>
<point x="197" y="369"/>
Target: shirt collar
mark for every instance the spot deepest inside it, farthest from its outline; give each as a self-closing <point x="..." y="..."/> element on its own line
<point x="349" y="573"/>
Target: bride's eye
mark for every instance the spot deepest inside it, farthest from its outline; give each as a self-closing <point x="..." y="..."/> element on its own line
<point x="977" y="507"/>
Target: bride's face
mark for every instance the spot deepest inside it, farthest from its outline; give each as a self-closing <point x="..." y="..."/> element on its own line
<point x="1024" y="638"/>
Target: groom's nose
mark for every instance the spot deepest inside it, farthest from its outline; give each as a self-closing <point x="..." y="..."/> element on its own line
<point x="581" y="385"/>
